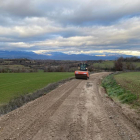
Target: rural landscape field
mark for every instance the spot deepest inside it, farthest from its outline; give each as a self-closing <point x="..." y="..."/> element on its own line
<point x="131" y="82"/>
<point x="34" y="100"/>
<point x="69" y="70"/>
<point x="24" y="76"/>
<point x="13" y="85"/>
<point x="109" y="65"/>
<point x="123" y="87"/>
<point x="64" y="110"/>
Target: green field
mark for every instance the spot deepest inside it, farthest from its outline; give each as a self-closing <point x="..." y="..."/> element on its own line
<point x="15" y="84"/>
<point x="124" y="87"/>
<point x="104" y="64"/>
<point x="130" y="81"/>
<point x="137" y="64"/>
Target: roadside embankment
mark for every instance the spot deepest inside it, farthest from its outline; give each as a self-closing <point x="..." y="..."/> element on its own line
<point x="120" y="88"/>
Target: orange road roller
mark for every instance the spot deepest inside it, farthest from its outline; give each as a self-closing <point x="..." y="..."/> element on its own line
<point x="83" y="73"/>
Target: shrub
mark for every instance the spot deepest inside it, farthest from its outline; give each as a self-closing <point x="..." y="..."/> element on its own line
<point x="118" y="64"/>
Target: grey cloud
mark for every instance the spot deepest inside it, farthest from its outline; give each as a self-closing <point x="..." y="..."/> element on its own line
<point x="95" y="37"/>
<point x="90" y="12"/>
<point x="21" y="8"/>
<point x="79" y="12"/>
<point x="65" y="25"/>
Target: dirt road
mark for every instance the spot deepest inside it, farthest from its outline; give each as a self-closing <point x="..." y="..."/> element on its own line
<point x="77" y="110"/>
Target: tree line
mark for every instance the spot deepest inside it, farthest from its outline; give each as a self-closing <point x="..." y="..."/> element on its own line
<point x="124" y="64"/>
<point x="121" y="64"/>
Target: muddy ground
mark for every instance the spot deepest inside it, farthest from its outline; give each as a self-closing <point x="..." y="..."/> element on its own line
<point x="77" y="110"/>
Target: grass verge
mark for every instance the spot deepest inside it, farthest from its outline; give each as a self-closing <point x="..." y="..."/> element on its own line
<point x="115" y="90"/>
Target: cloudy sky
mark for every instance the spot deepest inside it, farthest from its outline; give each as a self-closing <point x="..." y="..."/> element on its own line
<point x="71" y="26"/>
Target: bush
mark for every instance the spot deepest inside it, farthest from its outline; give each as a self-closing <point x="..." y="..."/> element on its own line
<point x="122" y="65"/>
<point x="118" y="64"/>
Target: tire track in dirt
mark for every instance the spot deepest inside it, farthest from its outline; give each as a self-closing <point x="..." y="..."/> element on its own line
<point x="44" y="110"/>
<point x="28" y="134"/>
<point x="59" y="122"/>
<point x="39" y="103"/>
<point x="76" y="128"/>
<point x="89" y="117"/>
<point x="78" y="110"/>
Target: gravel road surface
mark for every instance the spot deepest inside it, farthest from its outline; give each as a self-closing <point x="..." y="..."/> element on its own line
<point x="77" y="110"/>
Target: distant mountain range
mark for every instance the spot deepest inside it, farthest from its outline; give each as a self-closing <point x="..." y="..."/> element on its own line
<point x="56" y="56"/>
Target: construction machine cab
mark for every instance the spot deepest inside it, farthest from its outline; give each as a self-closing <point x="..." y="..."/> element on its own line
<point x="83" y="67"/>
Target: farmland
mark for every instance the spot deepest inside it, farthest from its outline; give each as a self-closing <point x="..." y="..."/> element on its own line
<point x="130" y="81"/>
<point x="124" y="87"/>
<point x="15" y="84"/>
<point x="104" y="64"/>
